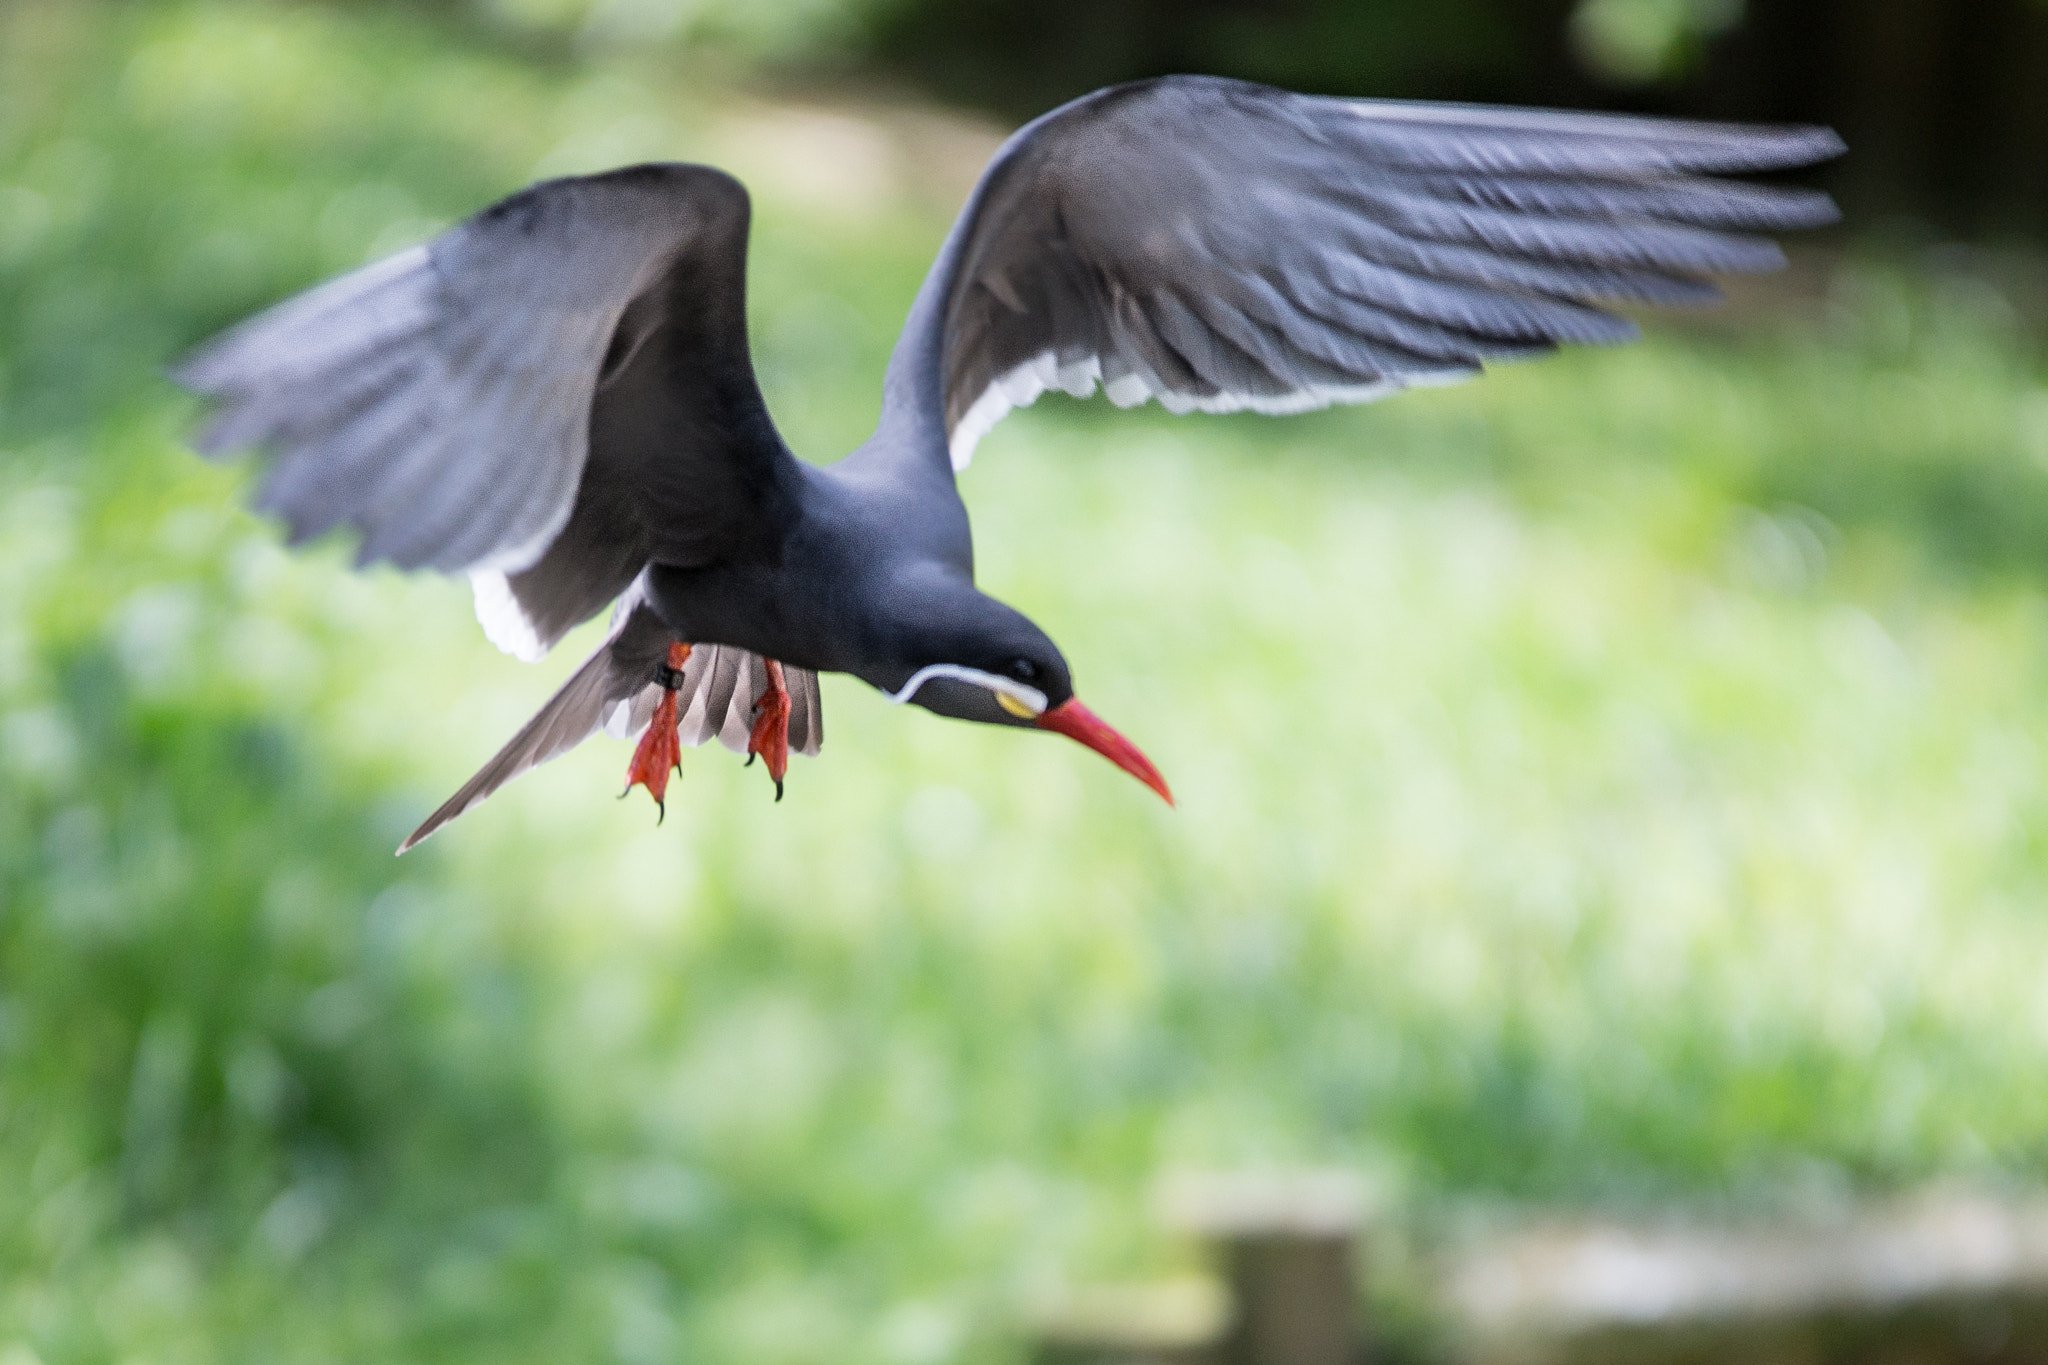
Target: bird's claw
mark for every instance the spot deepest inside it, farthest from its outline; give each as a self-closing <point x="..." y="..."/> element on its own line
<point x="660" y="751"/>
<point x="770" y="739"/>
<point x="660" y="806"/>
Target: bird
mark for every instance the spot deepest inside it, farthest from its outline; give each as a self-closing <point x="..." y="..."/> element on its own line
<point x="556" y="397"/>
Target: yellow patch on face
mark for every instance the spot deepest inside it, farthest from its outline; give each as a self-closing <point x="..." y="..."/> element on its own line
<point x="1015" y="707"/>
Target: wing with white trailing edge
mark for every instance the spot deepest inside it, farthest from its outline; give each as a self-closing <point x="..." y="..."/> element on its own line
<point x="544" y="397"/>
<point x="1220" y="246"/>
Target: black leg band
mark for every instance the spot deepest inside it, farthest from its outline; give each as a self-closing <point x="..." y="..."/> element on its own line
<point x="670" y="678"/>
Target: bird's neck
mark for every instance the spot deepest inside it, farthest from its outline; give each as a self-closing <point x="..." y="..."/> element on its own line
<point x="898" y="499"/>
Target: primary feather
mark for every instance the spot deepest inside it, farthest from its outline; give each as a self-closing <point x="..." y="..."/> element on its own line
<point x="1221" y="246"/>
<point x="445" y="403"/>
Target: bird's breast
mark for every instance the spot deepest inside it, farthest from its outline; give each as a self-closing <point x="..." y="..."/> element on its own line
<point x="781" y="612"/>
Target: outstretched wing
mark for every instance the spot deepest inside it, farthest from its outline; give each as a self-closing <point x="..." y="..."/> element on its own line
<point x="544" y="397"/>
<point x="1222" y="246"/>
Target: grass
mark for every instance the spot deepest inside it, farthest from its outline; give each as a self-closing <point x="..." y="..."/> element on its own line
<point x="1617" y="782"/>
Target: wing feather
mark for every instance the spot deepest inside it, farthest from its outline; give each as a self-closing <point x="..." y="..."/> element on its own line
<point x="1217" y="246"/>
<point x="611" y="677"/>
<point x="447" y="402"/>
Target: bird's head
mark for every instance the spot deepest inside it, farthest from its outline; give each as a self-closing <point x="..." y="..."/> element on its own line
<point x="961" y="653"/>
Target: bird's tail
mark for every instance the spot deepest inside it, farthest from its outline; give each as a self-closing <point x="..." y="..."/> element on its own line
<point x="615" y="691"/>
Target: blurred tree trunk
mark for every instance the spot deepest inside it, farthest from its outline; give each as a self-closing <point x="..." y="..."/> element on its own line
<point x="1944" y="104"/>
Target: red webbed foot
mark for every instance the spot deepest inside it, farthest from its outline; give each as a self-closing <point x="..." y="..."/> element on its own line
<point x="660" y="752"/>
<point x="770" y="740"/>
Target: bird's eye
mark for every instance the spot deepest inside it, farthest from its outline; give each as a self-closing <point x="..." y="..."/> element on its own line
<point x="1023" y="670"/>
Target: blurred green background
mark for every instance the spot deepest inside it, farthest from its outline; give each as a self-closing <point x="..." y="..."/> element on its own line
<point x="1618" y="783"/>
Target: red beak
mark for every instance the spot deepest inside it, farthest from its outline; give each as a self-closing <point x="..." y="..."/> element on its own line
<point x="1076" y="721"/>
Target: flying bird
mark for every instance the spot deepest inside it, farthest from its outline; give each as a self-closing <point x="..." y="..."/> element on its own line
<point x="556" y="397"/>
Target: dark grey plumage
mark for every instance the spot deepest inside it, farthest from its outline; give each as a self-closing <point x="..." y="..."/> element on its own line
<point x="1221" y="246"/>
<point x="441" y="402"/>
<point x="557" y="398"/>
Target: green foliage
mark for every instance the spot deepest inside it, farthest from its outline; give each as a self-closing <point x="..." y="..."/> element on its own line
<point x="784" y="30"/>
<point x="1637" y="41"/>
<point x="1621" y="780"/>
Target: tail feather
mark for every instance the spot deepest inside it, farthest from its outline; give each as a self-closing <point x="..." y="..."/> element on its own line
<point x="806" y="711"/>
<point x="720" y="686"/>
<point x="614" y="691"/>
<point x="571" y="716"/>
